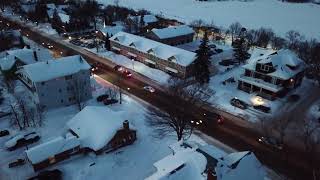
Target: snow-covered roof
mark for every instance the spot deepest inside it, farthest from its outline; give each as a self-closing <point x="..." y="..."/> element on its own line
<point x="160" y="50"/>
<point x="64" y="17"/>
<point x="111" y="30"/>
<point x="240" y="165"/>
<point x="51" y="69"/>
<point x="52" y="147"/>
<point x="188" y="163"/>
<point x="51" y="6"/>
<point x="26" y="56"/>
<point x="173" y="31"/>
<point x="96" y="126"/>
<point x="212" y="151"/>
<point x="280" y="60"/>
<point x="28" y="8"/>
<point x="146" y="18"/>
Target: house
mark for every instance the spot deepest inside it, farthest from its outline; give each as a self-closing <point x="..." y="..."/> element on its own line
<point x="101" y="129"/>
<point x="109" y="30"/>
<point x="50" y="10"/>
<point x="271" y="74"/>
<point x="149" y="20"/>
<point x="212" y="154"/>
<point x="53" y="151"/>
<point x="240" y="165"/>
<point x="56" y="83"/>
<point x="184" y="163"/>
<point x="173" y="35"/>
<point x="13" y="59"/>
<point x="173" y="60"/>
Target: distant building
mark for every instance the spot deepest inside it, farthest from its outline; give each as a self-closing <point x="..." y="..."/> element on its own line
<point x="271" y="74"/>
<point x="56" y="83"/>
<point x="175" y="61"/>
<point x="53" y="151"/>
<point x="99" y="133"/>
<point x="173" y="35"/>
<point x="149" y="20"/>
<point x="109" y="30"/>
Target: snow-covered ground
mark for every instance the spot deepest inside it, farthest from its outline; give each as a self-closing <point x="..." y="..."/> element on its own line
<point x="314" y="111"/>
<point x="280" y="16"/>
<point x="131" y="162"/>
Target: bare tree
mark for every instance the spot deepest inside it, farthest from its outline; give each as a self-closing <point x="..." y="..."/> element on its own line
<point x="40" y="114"/>
<point x="309" y="134"/>
<point x="234" y="30"/>
<point x="15" y="116"/>
<point x="293" y="38"/>
<point x="179" y="115"/>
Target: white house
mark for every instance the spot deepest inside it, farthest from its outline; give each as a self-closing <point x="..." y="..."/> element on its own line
<point x="271" y="74"/>
<point x="60" y="82"/>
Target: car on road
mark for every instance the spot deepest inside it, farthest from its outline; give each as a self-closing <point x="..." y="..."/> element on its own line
<point x="4" y="133"/>
<point x="110" y="101"/>
<point x="262" y="108"/>
<point x="22" y="140"/>
<point x="55" y="174"/>
<point x="238" y="103"/>
<point x="271" y="142"/>
<point x="118" y="68"/>
<point x="149" y="88"/>
<point x="18" y="162"/>
<point x="102" y="97"/>
<point x="127" y="73"/>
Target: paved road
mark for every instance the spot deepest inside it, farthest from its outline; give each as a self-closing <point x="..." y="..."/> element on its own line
<point x="233" y="134"/>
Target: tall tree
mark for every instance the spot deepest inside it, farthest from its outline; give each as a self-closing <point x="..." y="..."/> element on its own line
<point x="234" y="30"/>
<point x="141" y="24"/>
<point x="56" y="22"/>
<point x="241" y="50"/>
<point x="107" y="43"/>
<point x="178" y="117"/>
<point x="202" y="63"/>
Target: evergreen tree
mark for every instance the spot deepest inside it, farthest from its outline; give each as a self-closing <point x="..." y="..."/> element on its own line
<point x="40" y="13"/>
<point x="107" y="43"/>
<point x="241" y="50"/>
<point x="141" y="23"/>
<point x="202" y="63"/>
<point x="56" y="22"/>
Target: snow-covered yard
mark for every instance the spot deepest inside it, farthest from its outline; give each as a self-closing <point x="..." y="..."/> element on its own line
<point x="314" y="111"/>
<point x="280" y="16"/>
<point x="131" y="162"/>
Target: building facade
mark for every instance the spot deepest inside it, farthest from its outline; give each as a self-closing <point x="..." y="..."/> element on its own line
<point x="272" y="75"/>
<point x="173" y="35"/>
<point x="174" y="61"/>
<point x="57" y="83"/>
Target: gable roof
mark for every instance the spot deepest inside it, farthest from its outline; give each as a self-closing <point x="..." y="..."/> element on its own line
<point x="96" y="126"/>
<point x="51" y="69"/>
<point x="281" y="60"/>
<point x="160" y="50"/>
<point x="172" y="31"/>
<point x="64" y="17"/>
<point x="26" y="56"/>
<point x="188" y="164"/>
<point x="240" y="165"/>
<point x="52" y="147"/>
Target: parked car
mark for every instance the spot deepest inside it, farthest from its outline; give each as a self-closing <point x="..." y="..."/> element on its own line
<point x="4" y="133"/>
<point x="118" y="68"/>
<point x="262" y="108"/>
<point x="110" y="101"/>
<point x="102" y="97"/>
<point x="18" y="162"/>
<point x="271" y="142"/>
<point x="149" y="88"/>
<point x="238" y="103"/>
<point x="22" y="140"/>
<point x="227" y="62"/>
<point x="219" y="51"/>
<point x="55" y="174"/>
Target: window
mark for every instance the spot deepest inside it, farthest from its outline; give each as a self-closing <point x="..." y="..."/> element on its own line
<point x="43" y="83"/>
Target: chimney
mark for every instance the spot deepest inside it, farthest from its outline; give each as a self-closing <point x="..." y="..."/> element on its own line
<point x="126" y="125"/>
<point x="35" y="55"/>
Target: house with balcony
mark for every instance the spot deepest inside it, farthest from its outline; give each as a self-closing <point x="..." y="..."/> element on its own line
<point x="173" y="35"/>
<point x="55" y="83"/>
<point x="271" y="74"/>
<point x="175" y="61"/>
